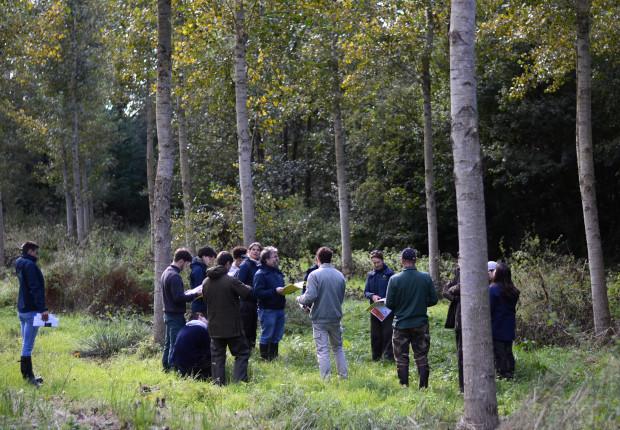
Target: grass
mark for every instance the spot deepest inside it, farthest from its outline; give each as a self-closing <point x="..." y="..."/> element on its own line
<point x="129" y="389"/>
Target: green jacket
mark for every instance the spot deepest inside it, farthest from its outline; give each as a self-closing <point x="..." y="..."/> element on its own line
<point x="409" y="293"/>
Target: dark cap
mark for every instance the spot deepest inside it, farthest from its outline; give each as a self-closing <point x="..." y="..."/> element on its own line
<point x="198" y="305"/>
<point x="408" y="254"/>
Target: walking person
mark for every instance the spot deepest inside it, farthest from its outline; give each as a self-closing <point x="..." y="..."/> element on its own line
<point x="503" y="297"/>
<point x="409" y="293"/>
<point x="175" y="299"/>
<point x="325" y="294"/>
<point x="223" y="292"/>
<point x="269" y="291"/>
<point x="249" y="307"/>
<point x="30" y="301"/>
<point x="375" y="290"/>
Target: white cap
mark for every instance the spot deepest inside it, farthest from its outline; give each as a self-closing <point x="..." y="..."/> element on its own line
<point x="491" y="265"/>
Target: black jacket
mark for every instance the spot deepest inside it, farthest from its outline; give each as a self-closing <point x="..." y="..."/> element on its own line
<point x="31" y="296"/>
<point x="173" y="291"/>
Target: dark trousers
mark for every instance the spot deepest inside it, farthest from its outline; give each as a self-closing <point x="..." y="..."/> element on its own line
<point x="420" y="340"/>
<point x="459" y="354"/>
<point x="202" y="371"/>
<point x="174" y="324"/>
<point x="381" y="338"/>
<point x="249" y="320"/>
<point x="504" y="359"/>
<point x="239" y="349"/>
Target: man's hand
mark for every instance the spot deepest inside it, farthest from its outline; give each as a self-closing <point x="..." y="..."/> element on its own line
<point x="375" y="298"/>
<point x="280" y="290"/>
<point x="45" y="316"/>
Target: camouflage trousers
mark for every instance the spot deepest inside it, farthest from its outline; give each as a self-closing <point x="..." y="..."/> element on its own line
<point x="420" y="340"/>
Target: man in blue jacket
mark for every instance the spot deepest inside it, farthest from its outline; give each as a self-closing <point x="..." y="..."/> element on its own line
<point x="199" y="265"/>
<point x="269" y="291"/>
<point x="31" y="300"/>
<point x="248" y="306"/>
<point x="376" y="289"/>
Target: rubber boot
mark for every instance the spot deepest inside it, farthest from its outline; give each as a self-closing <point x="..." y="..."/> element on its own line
<point x="403" y="375"/>
<point x="274" y="350"/>
<point x="28" y="374"/>
<point x="264" y="350"/>
<point x="424" y="373"/>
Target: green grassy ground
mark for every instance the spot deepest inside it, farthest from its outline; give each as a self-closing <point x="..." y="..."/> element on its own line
<point x="129" y="389"/>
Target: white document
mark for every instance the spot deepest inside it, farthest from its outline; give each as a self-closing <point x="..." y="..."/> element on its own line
<point x="52" y="321"/>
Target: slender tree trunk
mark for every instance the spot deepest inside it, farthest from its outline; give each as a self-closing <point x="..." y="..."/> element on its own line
<point x="585" y="165"/>
<point x="86" y="199"/>
<point x="150" y="159"/>
<point x="480" y="410"/>
<point x="243" y="132"/>
<point x="341" y="166"/>
<point x="2" y="256"/>
<point x="429" y="178"/>
<point x="68" y="197"/>
<point x="165" y="163"/>
<point x="186" y="185"/>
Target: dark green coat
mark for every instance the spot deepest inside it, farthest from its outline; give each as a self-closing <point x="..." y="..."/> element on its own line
<point x="409" y="293"/>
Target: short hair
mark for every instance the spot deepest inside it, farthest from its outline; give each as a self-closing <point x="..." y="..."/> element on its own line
<point x="27" y="246"/>
<point x="207" y="251"/>
<point x="223" y="258"/>
<point x="253" y="244"/>
<point x="239" y="251"/>
<point x="324" y="254"/>
<point x="266" y="253"/>
<point x="182" y="254"/>
<point x="375" y="253"/>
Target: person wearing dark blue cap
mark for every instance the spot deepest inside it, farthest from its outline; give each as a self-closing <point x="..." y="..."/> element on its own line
<point x="409" y="293"/>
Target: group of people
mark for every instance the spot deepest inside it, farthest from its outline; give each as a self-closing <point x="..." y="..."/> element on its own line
<point x="230" y="292"/>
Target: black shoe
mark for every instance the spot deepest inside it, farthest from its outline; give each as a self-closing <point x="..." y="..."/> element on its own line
<point x="403" y="375"/>
<point x="28" y="374"/>
<point x="264" y="350"/>
<point x="424" y="373"/>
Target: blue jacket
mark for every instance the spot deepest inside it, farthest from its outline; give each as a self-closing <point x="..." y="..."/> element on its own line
<point x="198" y="272"/>
<point x="31" y="296"/>
<point x="246" y="273"/>
<point x="266" y="280"/>
<point x="503" y="314"/>
<point x="192" y="348"/>
<point x="377" y="282"/>
<point x="174" y="292"/>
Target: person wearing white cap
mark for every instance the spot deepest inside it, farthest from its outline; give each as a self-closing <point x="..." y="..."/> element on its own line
<point x="491" y="266"/>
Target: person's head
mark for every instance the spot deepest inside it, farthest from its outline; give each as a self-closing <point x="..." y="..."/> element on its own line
<point x="491" y="266"/>
<point x="408" y="257"/>
<point x="376" y="258"/>
<point x="182" y="257"/>
<point x="324" y="255"/>
<point x="199" y="316"/>
<point x="238" y="253"/>
<point x="503" y="277"/>
<point x="30" y="248"/>
<point x="254" y="250"/>
<point x="269" y="256"/>
<point x="225" y="259"/>
<point x="207" y="255"/>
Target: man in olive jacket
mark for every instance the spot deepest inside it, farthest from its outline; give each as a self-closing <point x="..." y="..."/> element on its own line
<point x="409" y="293"/>
<point x="222" y="293"/>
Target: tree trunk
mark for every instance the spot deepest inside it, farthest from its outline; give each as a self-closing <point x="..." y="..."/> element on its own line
<point x="186" y="185"/>
<point x="243" y="132"/>
<point x="341" y="167"/>
<point x="431" y="205"/>
<point x="68" y="197"/>
<point x="150" y="159"/>
<point x="86" y="199"/>
<point x="480" y="409"/>
<point x="165" y="163"/>
<point x="2" y="261"/>
<point x="585" y="166"/>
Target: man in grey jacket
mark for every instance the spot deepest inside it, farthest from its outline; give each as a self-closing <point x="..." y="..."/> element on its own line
<point x="325" y="293"/>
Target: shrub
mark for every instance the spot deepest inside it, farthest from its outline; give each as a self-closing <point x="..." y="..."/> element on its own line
<point x="113" y="336"/>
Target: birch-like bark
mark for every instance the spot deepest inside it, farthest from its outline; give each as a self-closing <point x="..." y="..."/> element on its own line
<point x="480" y="409"/>
<point x="165" y="162"/>
<point x="243" y="127"/>
<point x="186" y="185"/>
<point x="429" y="178"/>
<point x="87" y="222"/>
<point x="2" y="256"/>
<point x="585" y="166"/>
<point x="150" y="159"/>
<point x="341" y="166"/>
<point x="69" y="210"/>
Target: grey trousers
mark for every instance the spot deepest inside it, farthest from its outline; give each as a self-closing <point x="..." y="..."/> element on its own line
<point x="324" y="335"/>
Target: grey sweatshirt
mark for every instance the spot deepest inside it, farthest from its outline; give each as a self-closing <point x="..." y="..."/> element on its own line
<point x="325" y="292"/>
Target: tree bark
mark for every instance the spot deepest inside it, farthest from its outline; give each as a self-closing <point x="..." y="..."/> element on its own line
<point x="68" y="197"/>
<point x="243" y="132"/>
<point x="86" y="199"/>
<point x="150" y="159"/>
<point x="186" y="185"/>
<point x="585" y="167"/>
<point x="341" y="167"/>
<point x="480" y="409"/>
<point x="429" y="179"/>
<point x="2" y="256"/>
<point x="165" y="163"/>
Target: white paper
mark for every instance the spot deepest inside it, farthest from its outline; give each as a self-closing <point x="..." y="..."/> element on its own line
<point x="52" y="321"/>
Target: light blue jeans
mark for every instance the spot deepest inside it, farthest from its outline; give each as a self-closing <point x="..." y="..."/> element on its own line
<point x="271" y="325"/>
<point x="324" y="335"/>
<point x="29" y="332"/>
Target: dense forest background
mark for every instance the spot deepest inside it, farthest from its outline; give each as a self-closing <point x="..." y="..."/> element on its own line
<point x="84" y="71"/>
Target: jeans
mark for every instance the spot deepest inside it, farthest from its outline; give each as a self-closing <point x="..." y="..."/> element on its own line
<point x="272" y="325"/>
<point x="239" y="349"/>
<point x="174" y="323"/>
<point x="325" y="334"/>
<point x="29" y="332"/>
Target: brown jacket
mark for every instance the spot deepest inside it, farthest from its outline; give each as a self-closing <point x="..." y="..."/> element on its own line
<point x="221" y="293"/>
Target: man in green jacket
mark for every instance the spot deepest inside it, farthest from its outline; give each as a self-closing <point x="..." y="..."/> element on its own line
<point x="409" y="293"/>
